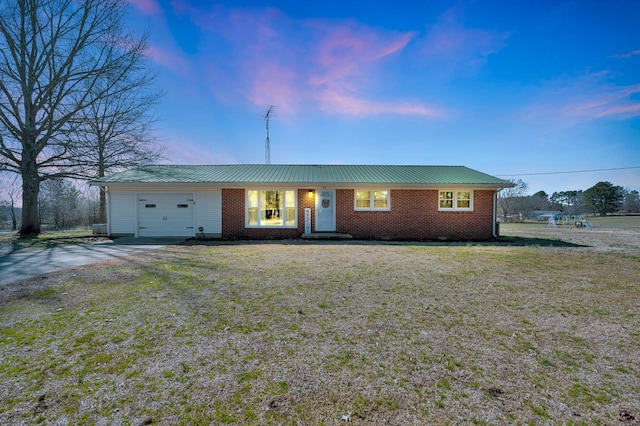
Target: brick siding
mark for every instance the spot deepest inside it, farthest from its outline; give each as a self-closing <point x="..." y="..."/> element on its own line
<point x="414" y="215"/>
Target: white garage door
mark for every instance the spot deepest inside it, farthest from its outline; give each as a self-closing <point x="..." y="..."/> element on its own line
<point x="167" y="214"/>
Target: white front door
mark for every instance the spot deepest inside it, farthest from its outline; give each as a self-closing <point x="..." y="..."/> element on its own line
<point x="325" y="210"/>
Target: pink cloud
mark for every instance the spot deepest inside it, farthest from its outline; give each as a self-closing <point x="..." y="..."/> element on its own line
<point x="586" y="98"/>
<point x="606" y="101"/>
<point x="271" y="58"/>
<point x="272" y="85"/>
<point x="342" y="42"/>
<point x="169" y="59"/>
<point x="343" y="64"/>
<point x="334" y="102"/>
<point x="148" y="7"/>
<point x="344" y="50"/>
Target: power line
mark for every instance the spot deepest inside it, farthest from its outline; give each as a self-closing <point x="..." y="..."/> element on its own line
<point x="571" y="171"/>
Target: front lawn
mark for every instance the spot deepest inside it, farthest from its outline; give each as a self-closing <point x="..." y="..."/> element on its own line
<point x="294" y="333"/>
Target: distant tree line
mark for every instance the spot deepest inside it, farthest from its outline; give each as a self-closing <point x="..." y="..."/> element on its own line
<point x="63" y="205"/>
<point x="8" y="216"/>
<point x="601" y="199"/>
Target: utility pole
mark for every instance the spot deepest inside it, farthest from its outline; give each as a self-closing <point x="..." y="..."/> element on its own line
<point x="267" y="142"/>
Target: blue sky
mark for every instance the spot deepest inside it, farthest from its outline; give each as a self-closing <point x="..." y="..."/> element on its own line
<point x="510" y="88"/>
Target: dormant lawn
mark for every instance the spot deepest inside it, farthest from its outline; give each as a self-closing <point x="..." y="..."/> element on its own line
<point x="541" y="329"/>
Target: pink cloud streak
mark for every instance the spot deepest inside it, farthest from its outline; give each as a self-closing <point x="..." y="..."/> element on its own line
<point x="605" y="102"/>
<point x="586" y="98"/>
<point x="343" y="50"/>
<point x="171" y="60"/>
<point x="341" y="64"/>
<point x="300" y="64"/>
<point x="148" y="7"/>
<point x="339" y="103"/>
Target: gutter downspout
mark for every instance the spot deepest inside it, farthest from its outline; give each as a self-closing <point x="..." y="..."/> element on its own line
<point x="495" y="213"/>
<point x="108" y="193"/>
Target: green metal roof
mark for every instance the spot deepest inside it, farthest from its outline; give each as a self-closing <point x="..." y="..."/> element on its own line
<point x="235" y="174"/>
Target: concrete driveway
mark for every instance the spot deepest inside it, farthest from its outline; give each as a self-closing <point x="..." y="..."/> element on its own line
<point x="27" y="264"/>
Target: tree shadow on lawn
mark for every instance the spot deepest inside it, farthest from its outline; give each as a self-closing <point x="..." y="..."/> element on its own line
<point x="532" y="241"/>
<point x="14" y="243"/>
<point x="17" y="244"/>
<point x="510" y="241"/>
<point x="46" y="286"/>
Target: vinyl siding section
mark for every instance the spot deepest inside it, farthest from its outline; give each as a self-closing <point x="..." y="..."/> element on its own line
<point x="122" y="213"/>
<point x="209" y="212"/>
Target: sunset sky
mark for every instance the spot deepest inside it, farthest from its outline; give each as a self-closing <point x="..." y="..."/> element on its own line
<point x="511" y="88"/>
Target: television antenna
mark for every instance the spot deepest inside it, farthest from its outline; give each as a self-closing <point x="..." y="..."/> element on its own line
<point x="267" y="143"/>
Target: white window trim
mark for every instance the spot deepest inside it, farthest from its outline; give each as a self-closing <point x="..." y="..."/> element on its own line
<point x="371" y="200"/>
<point x="284" y="225"/>
<point x="455" y="207"/>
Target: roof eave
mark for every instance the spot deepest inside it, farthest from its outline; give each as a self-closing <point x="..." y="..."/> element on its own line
<point x="337" y="185"/>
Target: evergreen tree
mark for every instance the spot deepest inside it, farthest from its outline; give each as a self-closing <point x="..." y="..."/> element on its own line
<point x="604" y="197"/>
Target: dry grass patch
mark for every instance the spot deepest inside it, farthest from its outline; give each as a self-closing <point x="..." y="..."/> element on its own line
<point x="320" y="334"/>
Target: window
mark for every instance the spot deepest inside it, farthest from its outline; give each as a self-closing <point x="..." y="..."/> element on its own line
<point x="363" y="199"/>
<point x="271" y="208"/>
<point x="455" y="200"/>
<point x="372" y="200"/>
<point x="446" y="199"/>
<point x="463" y="200"/>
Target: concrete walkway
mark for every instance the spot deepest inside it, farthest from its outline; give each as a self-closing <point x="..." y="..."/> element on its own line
<point x="27" y="264"/>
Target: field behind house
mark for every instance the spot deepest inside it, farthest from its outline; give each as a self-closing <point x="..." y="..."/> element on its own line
<point x="541" y="328"/>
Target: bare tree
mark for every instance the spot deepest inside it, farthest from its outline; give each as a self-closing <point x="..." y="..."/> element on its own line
<point x="60" y="204"/>
<point x="90" y="205"/>
<point x="116" y="131"/>
<point x="631" y="201"/>
<point x="12" y="189"/>
<point x="54" y="56"/>
<point x="569" y="202"/>
<point x="508" y="196"/>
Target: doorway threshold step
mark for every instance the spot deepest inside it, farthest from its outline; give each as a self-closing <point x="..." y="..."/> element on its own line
<point x="326" y="236"/>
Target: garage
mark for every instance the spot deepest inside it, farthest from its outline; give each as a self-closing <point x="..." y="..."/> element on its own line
<point x="166" y="214"/>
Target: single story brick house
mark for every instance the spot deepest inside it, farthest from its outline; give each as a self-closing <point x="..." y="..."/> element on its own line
<point x="262" y="201"/>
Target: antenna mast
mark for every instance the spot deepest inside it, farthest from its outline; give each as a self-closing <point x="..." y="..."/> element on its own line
<point x="267" y="142"/>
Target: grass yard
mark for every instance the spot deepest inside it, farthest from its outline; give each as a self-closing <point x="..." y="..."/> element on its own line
<point x="615" y="221"/>
<point x="293" y="333"/>
<point x="12" y="242"/>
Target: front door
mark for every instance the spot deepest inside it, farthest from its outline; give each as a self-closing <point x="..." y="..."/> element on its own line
<point x="325" y="210"/>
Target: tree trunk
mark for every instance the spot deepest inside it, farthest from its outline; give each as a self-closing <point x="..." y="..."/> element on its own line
<point x="102" y="213"/>
<point x="14" y="220"/>
<point x="30" y="192"/>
